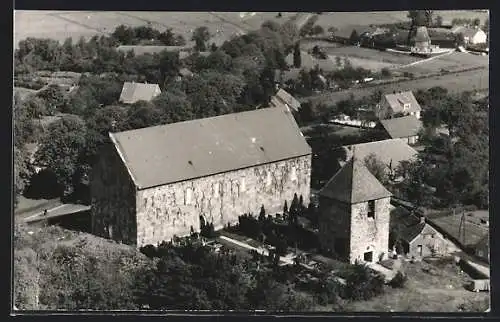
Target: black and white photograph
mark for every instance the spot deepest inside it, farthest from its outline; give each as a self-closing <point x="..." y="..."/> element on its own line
<point x="251" y="161"/>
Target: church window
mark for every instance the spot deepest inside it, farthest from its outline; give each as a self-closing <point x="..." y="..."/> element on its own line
<point x="371" y="209"/>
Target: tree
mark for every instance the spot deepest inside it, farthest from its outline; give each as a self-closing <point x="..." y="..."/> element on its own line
<point x="460" y="39"/>
<point x="486" y="25"/>
<point x="317" y="30"/>
<point x="22" y="171"/>
<point x="439" y="21"/>
<point x="262" y="214"/>
<point x="213" y="47"/>
<point x="385" y="72"/>
<point x="200" y="36"/>
<point x="124" y="35"/>
<point x="338" y="61"/>
<point x="60" y="151"/>
<point x="376" y="167"/>
<point x="285" y="208"/>
<point x="53" y="97"/>
<point x="354" y="38"/>
<point x="297" y="57"/>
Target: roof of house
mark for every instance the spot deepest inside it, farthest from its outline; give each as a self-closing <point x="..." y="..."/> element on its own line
<point x="390" y="152"/>
<point x="354" y="183"/>
<point x="185" y="72"/>
<point x="407" y="224"/>
<point x="133" y="92"/>
<point x="397" y="100"/>
<point x="402" y="127"/>
<point x="141" y="50"/>
<point x="208" y="146"/>
<point x="421" y="35"/>
<point x="285" y="98"/>
<point x="466" y="31"/>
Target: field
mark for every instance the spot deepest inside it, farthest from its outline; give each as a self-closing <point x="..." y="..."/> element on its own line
<point x="439" y="290"/>
<point x="451" y="224"/>
<point x="457" y="82"/>
<point x="346" y="19"/>
<point x="60" y="25"/>
<point x="24" y="92"/>
<point x="455" y="61"/>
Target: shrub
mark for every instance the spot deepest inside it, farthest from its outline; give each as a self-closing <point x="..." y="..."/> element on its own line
<point x="362" y="283"/>
<point x="398" y="280"/>
<point x="385" y="72"/>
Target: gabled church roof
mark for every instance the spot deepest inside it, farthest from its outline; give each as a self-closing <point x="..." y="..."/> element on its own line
<point x="354" y="183"/>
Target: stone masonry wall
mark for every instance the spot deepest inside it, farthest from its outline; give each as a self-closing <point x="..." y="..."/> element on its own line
<point x="113" y="199"/>
<point x="370" y="234"/>
<point x="173" y="209"/>
<point x="334" y="222"/>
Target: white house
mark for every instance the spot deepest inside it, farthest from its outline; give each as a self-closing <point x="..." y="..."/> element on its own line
<point x="472" y="35"/>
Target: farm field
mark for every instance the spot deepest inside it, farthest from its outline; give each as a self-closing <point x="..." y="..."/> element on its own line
<point x="456" y="82"/>
<point x="60" y="25"/>
<point x="372" y="55"/>
<point x="23" y="92"/>
<point x="451" y="62"/>
<point x="451" y="224"/>
<point x="346" y="19"/>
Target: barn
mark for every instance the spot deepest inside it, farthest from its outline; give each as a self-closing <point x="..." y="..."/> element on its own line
<point x="152" y="184"/>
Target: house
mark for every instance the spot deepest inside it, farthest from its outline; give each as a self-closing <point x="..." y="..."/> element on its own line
<point x="398" y="103"/>
<point x="390" y="152"/>
<point x="154" y="183"/>
<point x="184" y="73"/>
<point x="282" y="97"/>
<point x="412" y="236"/>
<point x="463" y="229"/>
<point x="472" y="35"/>
<point x="133" y="92"/>
<point x="482" y="248"/>
<point x="405" y="127"/>
<point x="354" y="214"/>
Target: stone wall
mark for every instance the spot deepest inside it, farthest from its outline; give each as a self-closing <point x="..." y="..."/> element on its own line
<point x="173" y="209"/>
<point x="370" y="234"/>
<point x="334" y="222"/>
<point x="113" y="199"/>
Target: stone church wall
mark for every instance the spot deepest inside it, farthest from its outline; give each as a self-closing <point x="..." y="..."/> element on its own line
<point x="173" y="209"/>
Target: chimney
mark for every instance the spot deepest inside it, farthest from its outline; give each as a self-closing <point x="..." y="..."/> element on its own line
<point x="422" y="219"/>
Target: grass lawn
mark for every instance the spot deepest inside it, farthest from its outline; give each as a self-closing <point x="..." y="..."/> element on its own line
<point x="439" y="290"/>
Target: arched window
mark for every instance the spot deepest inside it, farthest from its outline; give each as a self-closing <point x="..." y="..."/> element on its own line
<point x="243" y="187"/>
<point x="188" y="196"/>
<point x="293" y="174"/>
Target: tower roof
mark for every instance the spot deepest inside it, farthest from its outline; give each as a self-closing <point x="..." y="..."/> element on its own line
<point x="354" y="183"/>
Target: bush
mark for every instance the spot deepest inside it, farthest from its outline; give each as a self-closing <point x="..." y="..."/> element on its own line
<point x="385" y="72"/>
<point x="362" y="283"/>
<point x="398" y="281"/>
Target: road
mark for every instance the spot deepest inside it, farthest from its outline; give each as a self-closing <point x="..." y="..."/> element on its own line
<point x="302" y="19"/>
<point x="262" y="251"/>
<point x="61" y="210"/>
<point x="454" y="82"/>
